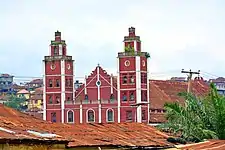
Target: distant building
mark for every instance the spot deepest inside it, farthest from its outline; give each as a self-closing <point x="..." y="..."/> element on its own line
<point x="182" y="79"/>
<point x="35" y="103"/>
<point x="36" y="83"/>
<point x="220" y="84"/>
<point x="6" y="82"/>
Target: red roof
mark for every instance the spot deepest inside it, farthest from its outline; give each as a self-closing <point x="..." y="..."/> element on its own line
<point x="167" y="91"/>
<point x="210" y="144"/>
<point x="123" y="134"/>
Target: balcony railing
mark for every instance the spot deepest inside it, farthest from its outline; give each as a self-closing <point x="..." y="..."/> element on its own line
<point x="58" y="57"/>
<point x="96" y="102"/>
<point x="121" y="54"/>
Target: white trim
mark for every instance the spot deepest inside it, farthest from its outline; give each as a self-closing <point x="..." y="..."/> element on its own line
<point x="74" y="90"/>
<point x="135" y="45"/>
<point x="148" y="90"/>
<point x="85" y="85"/>
<point x="107" y="114"/>
<point x="58" y="92"/>
<point x="68" y="115"/>
<point x="99" y="98"/>
<point x="56" y="75"/>
<point x="62" y="89"/>
<point x="111" y="83"/>
<point x="118" y="87"/>
<point x="44" y="93"/>
<point x="81" y="114"/>
<point x="87" y="115"/>
<point x="138" y="87"/>
<point x="60" y="49"/>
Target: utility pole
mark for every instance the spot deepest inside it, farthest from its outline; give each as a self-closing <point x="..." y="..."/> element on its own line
<point x="190" y="73"/>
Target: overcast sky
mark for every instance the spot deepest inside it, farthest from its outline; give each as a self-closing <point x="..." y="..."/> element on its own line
<point x="178" y="34"/>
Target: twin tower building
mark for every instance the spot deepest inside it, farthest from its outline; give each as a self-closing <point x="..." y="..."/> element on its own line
<point x="102" y="98"/>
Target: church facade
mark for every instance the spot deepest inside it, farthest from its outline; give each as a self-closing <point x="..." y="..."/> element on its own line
<point x="102" y="98"/>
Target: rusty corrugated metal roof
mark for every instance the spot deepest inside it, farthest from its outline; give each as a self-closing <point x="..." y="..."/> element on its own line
<point x="114" y="134"/>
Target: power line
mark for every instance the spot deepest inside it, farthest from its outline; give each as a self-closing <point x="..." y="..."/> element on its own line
<point x="190" y="73"/>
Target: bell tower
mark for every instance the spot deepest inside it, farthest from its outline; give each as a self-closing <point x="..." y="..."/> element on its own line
<point x="133" y="81"/>
<point x="58" y="80"/>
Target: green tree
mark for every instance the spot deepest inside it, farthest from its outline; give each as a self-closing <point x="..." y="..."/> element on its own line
<point x="197" y="119"/>
<point x="16" y="102"/>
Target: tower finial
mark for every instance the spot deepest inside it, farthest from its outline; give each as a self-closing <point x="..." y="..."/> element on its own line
<point x="131" y="31"/>
<point x="57" y="33"/>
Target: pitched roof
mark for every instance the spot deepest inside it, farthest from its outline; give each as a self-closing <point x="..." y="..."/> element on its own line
<point x="23" y="91"/>
<point x="209" y="144"/>
<point x="123" y="134"/>
<point x="167" y="91"/>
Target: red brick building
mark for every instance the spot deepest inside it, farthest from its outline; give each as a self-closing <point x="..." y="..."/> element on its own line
<point x="106" y="98"/>
<point x="103" y="97"/>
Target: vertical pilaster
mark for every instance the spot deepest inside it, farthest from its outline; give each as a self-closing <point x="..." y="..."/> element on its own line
<point x="99" y="97"/>
<point x="118" y="88"/>
<point x="148" y="90"/>
<point x="62" y="89"/>
<point x="44" y="93"/>
<point x="138" y="87"/>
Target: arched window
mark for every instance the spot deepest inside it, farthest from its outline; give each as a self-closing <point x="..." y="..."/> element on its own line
<point x="91" y="116"/>
<point x="110" y="115"/>
<point x="70" y="116"/>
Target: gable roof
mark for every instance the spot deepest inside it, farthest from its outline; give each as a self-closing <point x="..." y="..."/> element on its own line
<point x="114" y="134"/>
<point x="23" y="91"/>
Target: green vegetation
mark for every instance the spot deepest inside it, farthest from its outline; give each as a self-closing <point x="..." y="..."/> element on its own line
<point x="198" y="119"/>
<point x="17" y="103"/>
<point x="129" y="49"/>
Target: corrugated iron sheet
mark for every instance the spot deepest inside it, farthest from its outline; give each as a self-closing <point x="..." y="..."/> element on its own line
<point x="114" y="134"/>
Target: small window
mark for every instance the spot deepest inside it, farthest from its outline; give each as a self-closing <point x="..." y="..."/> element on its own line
<point x="71" y="83"/>
<point x="55" y="51"/>
<point x="50" y="83"/>
<point x="68" y="83"/>
<point x="131" y="79"/>
<point x="144" y="95"/>
<point x="124" y="79"/>
<point x="143" y="115"/>
<point x="86" y="97"/>
<point x="91" y="116"/>
<point x="53" y="117"/>
<point x="110" y="115"/>
<point x="57" y="100"/>
<point x="124" y="96"/>
<point x="111" y="98"/>
<point x="70" y="116"/>
<point x="50" y="99"/>
<point x="57" y="83"/>
<point x="132" y="96"/>
<point x="129" y="115"/>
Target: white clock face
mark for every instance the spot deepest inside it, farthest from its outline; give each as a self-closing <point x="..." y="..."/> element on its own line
<point x="143" y="63"/>
<point x="68" y="66"/>
<point x="127" y="63"/>
<point x="52" y="66"/>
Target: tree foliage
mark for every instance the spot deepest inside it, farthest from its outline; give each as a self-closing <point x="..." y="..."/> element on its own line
<point x="197" y="119"/>
<point x="16" y="102"/>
